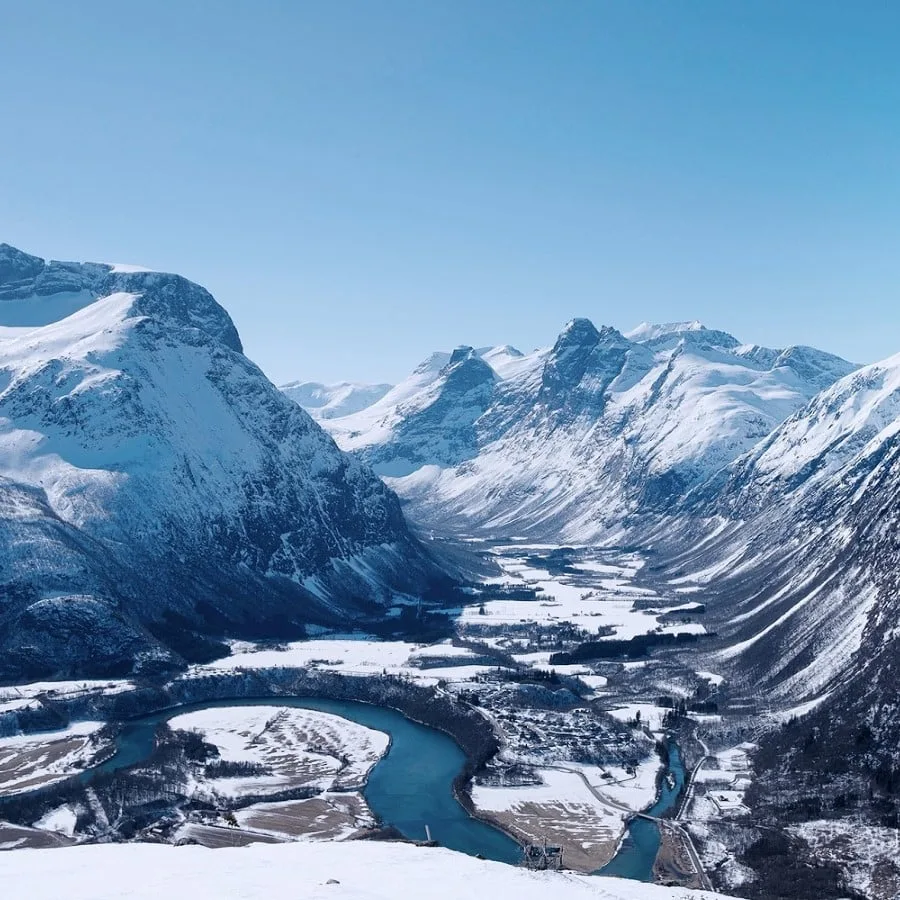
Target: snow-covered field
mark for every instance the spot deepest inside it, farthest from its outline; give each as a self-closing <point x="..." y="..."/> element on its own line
<point x="330" y="816"/>
<point x="647" y="714"/>
<point x="599" y="594"/>
<point x="294" y="748"/>
<point x="61" y="820"/>
<point x="358" y="870"/>
<point x="580" y="806"/>
<point x="357" y="657"/>
<point x="37" y="760"/>
<point x="562" y="810"/>
<point x="24" y="696"/>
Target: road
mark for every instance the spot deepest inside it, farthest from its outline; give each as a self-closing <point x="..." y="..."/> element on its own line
<point x="705" y="883"/>
<point x="685" y="801"/>
<point x="689" y="786"/>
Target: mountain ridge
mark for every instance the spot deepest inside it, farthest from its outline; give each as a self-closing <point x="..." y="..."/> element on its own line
<point x="651" y="419"/>
<point x="138" y="443"/>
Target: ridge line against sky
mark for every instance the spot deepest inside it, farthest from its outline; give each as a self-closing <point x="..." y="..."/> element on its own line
<point x="360" y="184"/>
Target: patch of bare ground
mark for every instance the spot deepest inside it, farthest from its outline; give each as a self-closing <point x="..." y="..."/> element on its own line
<point x="587" y="841"/>
<point x="17" y="837"/>
<point x="327" y="817"/>
<point x="30" y="765"/>
<point x="218" y="836"/>
<point x="673" y="864"/>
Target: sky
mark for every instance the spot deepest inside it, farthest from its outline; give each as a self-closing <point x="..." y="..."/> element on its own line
<point x="361" y="183"/>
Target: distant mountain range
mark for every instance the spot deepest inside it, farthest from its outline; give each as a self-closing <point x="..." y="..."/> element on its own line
<point x="157" y="492"/>
<point x="330" y="401"/>
<point x="575" y="441"/>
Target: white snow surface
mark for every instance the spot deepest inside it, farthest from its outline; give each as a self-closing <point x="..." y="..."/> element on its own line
<point x="600" y="595"/>
<point x="845" y="423"/>
<point x="359" y="870"/>
<point x="298" y="746"/>
<point x="61" y="819"/>
<point x="128" y="268"/>
<point x="330" y="401"/>
<point x="355" y="657"/>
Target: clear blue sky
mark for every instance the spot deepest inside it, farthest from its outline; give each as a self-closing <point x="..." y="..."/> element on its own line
<point x="362" y="182"/>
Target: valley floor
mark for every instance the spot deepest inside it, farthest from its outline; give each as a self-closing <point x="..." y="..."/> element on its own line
<point x="545" y="652"/>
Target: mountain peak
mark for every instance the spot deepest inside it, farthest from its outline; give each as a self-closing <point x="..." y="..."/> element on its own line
<point x="579" y="348"/>
<point x="694" y="333"/>
<point x="578" y="332"/>
<point x="815" y="366"/>
<point x="502" y="349"/>
<point x="17" y="265"/>
<point x="433" y="364"/>
<point x="460" y="353"/>
<point x="174" y="299"/>
<point x="35" y="292"/>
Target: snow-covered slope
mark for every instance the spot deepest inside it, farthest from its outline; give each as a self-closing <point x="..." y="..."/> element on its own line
<point x="846" y="426"/>
<point x="153" y="482"/>
<point x="329" y="401"/>
<point x="795" y="544"/>
<point x="796" y="552"/>
<point x="347" y="870"/>
<point x="572" y="442"/>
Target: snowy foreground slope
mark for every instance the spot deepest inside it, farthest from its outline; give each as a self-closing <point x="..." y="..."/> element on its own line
<point x="331" y="871"/>
<point x="568" y="443"/>
<point x="156" y="487"/>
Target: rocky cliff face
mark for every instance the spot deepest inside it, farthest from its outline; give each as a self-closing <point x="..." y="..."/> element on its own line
<point x="156" y="485"/>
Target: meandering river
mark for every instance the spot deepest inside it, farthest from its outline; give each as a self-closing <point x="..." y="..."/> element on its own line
<point x="409" y="788"/>
<point x="412" y="785"/>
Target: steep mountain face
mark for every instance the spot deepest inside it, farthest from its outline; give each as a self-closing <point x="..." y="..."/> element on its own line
<point x="330" y="401"/>
<point x="804" y="562"/>
<point x="157" y="488"/>
<point x="797" y="550"/>
<point x="573" y="442"/>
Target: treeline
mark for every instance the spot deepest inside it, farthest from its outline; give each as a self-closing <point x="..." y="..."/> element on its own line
<point x="634" y="648"/>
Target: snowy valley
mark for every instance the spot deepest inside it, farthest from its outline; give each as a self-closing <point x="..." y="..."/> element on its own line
<point x="627" y="602"/>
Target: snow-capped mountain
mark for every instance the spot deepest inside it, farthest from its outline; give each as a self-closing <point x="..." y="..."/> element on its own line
<point x="153" y="482"/>
<point x="842" y="430"/>
<point x="795" y="552"/>
<point x="571" y="442"/>
<point x="804" y="560"/>
<point x="329" y="401"/>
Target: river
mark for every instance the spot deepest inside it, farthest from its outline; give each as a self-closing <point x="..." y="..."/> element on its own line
<point x="412" y="785"/>
<point x="409" y="788"/>
<point x="638" y="851"/>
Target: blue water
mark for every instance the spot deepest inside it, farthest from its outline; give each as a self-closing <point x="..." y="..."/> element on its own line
<point x="409" y="788"/>
<point x="639" y="848"/>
